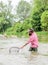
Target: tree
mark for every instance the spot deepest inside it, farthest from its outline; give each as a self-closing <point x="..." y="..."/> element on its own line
<point x="39" y="6"/>
<point x="23" y="10"/>
<point x="6" y="16"/>
<point x="9" y="15"/>
<point x="44" y="20"/>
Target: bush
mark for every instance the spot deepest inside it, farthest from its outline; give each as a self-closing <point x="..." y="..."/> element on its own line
<point x="44" y="20"/>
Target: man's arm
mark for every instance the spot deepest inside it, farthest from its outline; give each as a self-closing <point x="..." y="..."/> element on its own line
<point x="26" y="43"/>
<point x="23" y="45"/>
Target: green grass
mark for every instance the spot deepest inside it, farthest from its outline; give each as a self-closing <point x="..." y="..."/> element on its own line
<point x="43" y="36"/>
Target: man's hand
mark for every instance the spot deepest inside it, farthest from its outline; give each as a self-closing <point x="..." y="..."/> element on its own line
<point x="23" y="46"/>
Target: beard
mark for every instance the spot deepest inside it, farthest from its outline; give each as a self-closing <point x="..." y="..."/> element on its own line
<point x="30" y="34"/>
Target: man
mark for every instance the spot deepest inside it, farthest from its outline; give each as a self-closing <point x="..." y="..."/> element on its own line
<point x="33" y="41"/>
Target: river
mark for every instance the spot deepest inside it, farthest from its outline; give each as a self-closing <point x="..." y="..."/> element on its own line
<point x="24" y="57"/>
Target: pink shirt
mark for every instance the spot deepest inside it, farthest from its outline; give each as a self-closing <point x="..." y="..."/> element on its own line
<point x="33" y="40"/>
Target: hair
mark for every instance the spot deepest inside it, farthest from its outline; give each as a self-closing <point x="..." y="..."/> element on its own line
<point x="31" y="30"/>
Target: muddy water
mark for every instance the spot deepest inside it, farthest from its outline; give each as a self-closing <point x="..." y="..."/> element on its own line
<point x="24" y="57"/>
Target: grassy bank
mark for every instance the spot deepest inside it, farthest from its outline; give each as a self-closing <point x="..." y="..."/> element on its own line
<point x="43" y="36"/>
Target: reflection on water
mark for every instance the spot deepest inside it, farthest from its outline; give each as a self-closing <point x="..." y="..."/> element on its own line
<point x="24" y="57"/>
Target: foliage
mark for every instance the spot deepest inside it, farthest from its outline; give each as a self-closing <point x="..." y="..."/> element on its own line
<point x="3" y="24"/>
<point x="44" y="20"/>
<point x="39" y="6"/>
<point x="29" y="16"/>
<point x="19" y="28"/>
<point x="6" y="16"/>
<point x="36" y="24"/>
<point x="23" y="10"/>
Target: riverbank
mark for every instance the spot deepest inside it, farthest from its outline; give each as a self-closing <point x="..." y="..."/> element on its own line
<point x="42" y="36"/>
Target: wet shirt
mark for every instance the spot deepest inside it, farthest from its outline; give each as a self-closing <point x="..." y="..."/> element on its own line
<point x="33" y="40"/>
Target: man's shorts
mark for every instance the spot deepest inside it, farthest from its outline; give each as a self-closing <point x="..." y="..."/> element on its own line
<point x="33" y="49"/>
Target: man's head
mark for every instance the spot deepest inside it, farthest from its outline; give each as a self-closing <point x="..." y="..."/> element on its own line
<point x="31" y="31"/>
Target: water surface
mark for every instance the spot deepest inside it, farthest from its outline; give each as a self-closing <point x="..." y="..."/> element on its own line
<point x="24" y="57"/>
